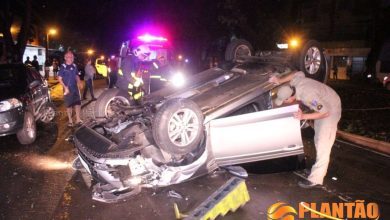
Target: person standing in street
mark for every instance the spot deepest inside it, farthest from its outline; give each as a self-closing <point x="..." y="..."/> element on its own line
<point x="113" y="73"/>
<point x="88" y="78"/>
<point x="28" y="61"/>
<point x="35" y="63"/>
<point x="55" y="68"/>
<point x="69" y="79"/>
<point x="335" y="72"/>
<point x="326" y="107"/>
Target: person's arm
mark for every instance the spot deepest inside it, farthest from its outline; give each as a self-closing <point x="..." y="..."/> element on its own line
<point x="66" y="89"/>
<point x="310" y="116"/>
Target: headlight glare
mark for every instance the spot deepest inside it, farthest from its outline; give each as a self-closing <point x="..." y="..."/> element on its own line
<point x="9" y="104"/>
<point x="178" y="80"/>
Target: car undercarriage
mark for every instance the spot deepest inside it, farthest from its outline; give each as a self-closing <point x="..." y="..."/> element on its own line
<point x="222" y="117"/>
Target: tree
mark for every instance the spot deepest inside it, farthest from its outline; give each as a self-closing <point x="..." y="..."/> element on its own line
<point x="11" y="10"/>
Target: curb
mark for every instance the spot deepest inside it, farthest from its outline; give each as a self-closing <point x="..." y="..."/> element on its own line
<point x="376" y="145"/>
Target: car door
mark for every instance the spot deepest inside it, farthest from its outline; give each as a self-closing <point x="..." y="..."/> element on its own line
<point x="255" y="136"/>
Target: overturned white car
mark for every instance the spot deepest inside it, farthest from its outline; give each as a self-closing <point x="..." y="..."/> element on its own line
<point x="221" y="117"/>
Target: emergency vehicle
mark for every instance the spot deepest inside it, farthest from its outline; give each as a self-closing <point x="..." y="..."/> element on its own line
<point x="157" y="67"/>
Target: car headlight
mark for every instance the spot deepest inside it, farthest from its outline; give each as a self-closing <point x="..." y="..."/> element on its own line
<point x="178" y="80"/>
<point x="384" y="79"/>
<point x="9" y="104"/>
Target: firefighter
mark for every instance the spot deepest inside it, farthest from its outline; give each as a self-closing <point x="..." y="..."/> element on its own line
<point x="130" y="72"/>
<point x="326" y="105"/>
<point x="160" y="72"/>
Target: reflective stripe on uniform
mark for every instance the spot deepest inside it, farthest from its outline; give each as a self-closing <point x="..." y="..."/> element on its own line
<point x="138" y="82"/>
<point x="138" y="95"/>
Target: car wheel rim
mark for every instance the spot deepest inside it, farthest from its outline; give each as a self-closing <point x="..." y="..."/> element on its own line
<point x="312" y="60"/>
<point x="183" y="127"/>
<point x="242" y="50"/>
<point x="30" y="130"/>
<point x="110" y="109"/>
<point x="49" y="114"/>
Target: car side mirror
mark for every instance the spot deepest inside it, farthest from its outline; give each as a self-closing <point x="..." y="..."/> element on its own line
<point x="34" y="84"/>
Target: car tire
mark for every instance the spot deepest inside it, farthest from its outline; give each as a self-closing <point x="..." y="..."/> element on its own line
<point x="49" y="113"/>
<point x="28" y="133"/>
<point x="168" y="131"/>
<point x="237" y="48"/>
<point x="102" y="106"/>
<point x="311" y="61"/>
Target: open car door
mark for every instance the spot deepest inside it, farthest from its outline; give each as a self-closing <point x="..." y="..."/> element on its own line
<point x="256" y="136"/>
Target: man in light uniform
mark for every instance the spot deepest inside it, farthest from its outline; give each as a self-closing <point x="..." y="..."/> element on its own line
<point x="326" y="105"/>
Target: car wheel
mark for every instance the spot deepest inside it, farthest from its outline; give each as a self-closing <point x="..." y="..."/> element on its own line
<point x="105" y="104"/>
<point x="311" y="61"/>
<point x="178" y="127"/>
<point x="48" y="113"/>
<point x="237" y="48"/>
<point x="28" y="133"/>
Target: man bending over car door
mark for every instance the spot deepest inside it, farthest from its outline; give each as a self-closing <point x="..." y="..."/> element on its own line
<point x="326" y="105"/>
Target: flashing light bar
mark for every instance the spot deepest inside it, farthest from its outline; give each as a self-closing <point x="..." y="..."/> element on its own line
<point x="150" y="38"/>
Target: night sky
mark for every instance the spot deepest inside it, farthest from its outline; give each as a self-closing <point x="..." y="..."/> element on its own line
<point x="105" y="24"/>
<point x="198" y="24"/>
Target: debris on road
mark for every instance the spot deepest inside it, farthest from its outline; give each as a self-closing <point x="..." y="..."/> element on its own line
<point x="229" y="197"/>
<point x="174" y="194"/>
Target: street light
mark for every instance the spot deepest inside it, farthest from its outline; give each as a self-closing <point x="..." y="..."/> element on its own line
<point x="90" y="52"/>
<point x="51" y="31"/>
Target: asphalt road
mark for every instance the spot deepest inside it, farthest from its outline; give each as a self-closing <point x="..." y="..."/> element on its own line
<point x="38" y="183"/>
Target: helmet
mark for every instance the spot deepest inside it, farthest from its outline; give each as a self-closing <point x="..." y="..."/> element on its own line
<point x="142" y="50"/>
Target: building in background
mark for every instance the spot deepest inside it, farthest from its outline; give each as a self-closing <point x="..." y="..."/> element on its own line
<point x="351" y="31"/>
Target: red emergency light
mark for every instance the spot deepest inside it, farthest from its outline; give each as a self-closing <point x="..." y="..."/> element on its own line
<point x="147" y="38"/>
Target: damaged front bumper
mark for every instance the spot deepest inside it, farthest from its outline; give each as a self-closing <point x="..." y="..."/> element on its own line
<point x="121" y="173"/>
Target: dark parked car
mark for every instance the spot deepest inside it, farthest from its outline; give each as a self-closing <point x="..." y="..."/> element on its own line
<point x="24" y="99"/>
<point x="220" y="117"/>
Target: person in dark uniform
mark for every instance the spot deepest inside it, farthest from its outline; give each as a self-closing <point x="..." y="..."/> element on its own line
<point x="161" y="72"/>
<point x="129" y="74"/>
<point x="68" y="77"/>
